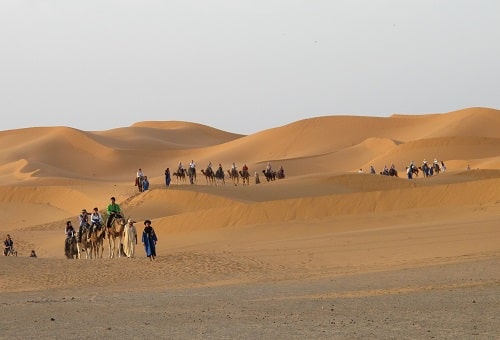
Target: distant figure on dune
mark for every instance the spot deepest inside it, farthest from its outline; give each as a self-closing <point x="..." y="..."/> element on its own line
<point x="281" y="173"/>
<point x="257" y="180"/>
<point x="409" y="171"/>
<point x="168" y="179"/>
<point x="145" y="183"/>
<point x="372" y="170"/>
<point x="269" y="168"/>
<point x="192" y="172"/>
<point x="33" y="254"/>
<point x="139" y="180"/>
<point x="8" y="245"/>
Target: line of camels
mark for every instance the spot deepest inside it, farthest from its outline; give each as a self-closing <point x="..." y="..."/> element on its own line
<point x="90" y="241"/>
<point x="218" y="177"/>
<point x="427" y="170"/>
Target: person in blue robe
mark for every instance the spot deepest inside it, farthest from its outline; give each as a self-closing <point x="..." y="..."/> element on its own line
<point x="149" y="240"/>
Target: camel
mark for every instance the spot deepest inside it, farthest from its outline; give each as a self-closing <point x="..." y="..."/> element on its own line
<point x="139" y="183"/>
<point x="270" y="175"/>
<point x="71" y="248"/>
<point x="233" y="174"/>
<point x="219" y="177"/>
<point x="245" y="176"/>
<point x="414" y="171"/>
<point x="390" y="172"/>
<point x="180" y="175"/>
<point x="209" y="175"/>
<point x="116" y="233"/>
<point x="192" y="175"/>
<point x="281" y="173"/>
<point x="83" y="243"/>
<point x="97" y="242"/>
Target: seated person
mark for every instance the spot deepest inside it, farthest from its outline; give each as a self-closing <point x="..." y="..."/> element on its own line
<point x="96" y="218"/>
<point x="114" y="211"/>
<point x="69" y="231"/>
<point x="33" y="254"/>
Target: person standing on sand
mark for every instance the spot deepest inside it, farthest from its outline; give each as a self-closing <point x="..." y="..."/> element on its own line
<point x="167" y="177"/>
<point x="145" y="183"/>
<point x="129" y="239"/>
<point x="149" y="240"/>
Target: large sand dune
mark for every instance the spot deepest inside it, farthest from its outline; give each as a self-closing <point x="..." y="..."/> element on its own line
<point x="326" y="252"/>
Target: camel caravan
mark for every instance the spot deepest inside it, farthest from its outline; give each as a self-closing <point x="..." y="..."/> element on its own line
<point x="413" y="171"/>
<point x="218" y="177"/>
<point x="88" y="242"/>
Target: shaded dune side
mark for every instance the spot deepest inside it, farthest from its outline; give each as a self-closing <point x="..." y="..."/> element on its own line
<point x="161" y="135"/>
<point x="56" y="152"/>
<point x="67" y="152"/>
<point x="35" y="205"/>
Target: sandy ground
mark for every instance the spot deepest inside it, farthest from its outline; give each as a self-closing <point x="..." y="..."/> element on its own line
<point x="326" y="253"/>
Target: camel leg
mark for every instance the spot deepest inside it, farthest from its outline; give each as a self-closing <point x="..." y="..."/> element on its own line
<point x="111" y="247"/>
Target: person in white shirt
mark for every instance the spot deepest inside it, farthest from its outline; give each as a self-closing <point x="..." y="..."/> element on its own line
<point x="129" y="239"/>
<point x="96" y="221"/>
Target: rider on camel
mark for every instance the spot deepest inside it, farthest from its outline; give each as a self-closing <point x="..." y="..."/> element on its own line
<point x="84" y="222"/>
<point x="70" y="233"/>
<point x="114" y="211"/>
<point x="96" y="219"/>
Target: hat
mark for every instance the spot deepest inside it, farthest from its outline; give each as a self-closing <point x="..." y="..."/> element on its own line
<point x="131" y="221"/>
<point x="147" y="221"/>
<point x="84" y="210"/>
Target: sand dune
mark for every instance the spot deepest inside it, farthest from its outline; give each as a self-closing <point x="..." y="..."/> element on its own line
<point x="323" y="228"/>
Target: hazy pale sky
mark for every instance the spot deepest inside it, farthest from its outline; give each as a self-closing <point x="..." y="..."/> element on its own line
<point x="242" y="66"/>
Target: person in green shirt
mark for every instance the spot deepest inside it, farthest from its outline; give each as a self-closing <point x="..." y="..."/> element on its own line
<point x="114" y="211"/>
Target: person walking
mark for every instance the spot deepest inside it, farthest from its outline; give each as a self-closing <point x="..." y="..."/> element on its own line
<point x="167" y="177"/>
<point x="129" y="239"/>
<point x="149" y="240"/>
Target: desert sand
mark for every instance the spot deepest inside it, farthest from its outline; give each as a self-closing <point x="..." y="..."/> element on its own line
<point x="325" y="253"/>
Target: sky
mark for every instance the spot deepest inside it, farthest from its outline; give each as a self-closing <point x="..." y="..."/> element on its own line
<point x="242" y="66"/>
